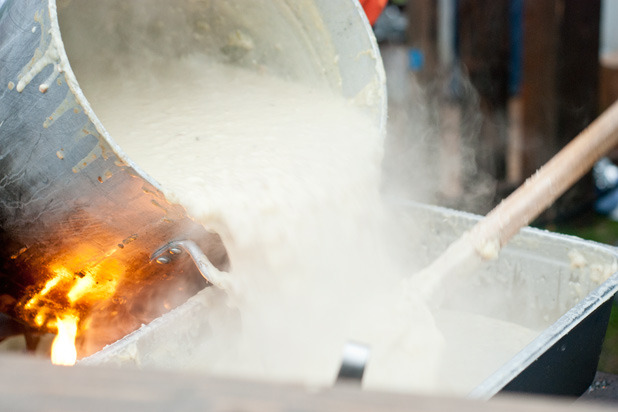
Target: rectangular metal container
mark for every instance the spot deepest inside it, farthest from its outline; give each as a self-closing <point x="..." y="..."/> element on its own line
<point x="560" y="285"/>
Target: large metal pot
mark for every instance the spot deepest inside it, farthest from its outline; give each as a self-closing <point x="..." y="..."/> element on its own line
<point x="70" y="197"/>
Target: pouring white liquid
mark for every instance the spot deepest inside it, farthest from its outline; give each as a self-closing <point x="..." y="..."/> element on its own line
<point x="289" y="177"/>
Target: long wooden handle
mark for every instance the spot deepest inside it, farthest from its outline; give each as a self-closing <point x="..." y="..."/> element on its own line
<point x="546" y="185"/>
<point x="491" y="233"/>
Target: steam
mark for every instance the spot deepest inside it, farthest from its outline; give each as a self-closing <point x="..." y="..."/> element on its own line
<point x="291" y="177"/>
<point x="433" y="138"/>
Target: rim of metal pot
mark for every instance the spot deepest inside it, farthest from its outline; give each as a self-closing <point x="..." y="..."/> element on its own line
<point x="73" y="84"/>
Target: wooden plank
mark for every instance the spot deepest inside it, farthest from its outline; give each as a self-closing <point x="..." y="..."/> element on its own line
<point x="540" y="115"/>
<point x="578" y="66"/>
<point x="28" y="384"/>
<point x="483" y="31"/>
<point x="608" y="80"/>
<point x="484" y="48"/>
<point x="578" y="89"/>
<point x="608" y="86"/>
<point x="560" y="86"/>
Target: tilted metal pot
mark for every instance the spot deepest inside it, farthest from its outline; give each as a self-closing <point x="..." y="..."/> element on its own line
<point x="72" y="203"/>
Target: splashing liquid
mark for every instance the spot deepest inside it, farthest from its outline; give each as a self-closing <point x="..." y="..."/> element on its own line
<point x="289" y="176"/>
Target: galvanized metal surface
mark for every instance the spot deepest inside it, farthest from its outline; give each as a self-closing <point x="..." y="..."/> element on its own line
<point x="67" y="196"/>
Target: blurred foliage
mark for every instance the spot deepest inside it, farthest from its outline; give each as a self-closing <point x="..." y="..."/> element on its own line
<point x="609" y="354"/>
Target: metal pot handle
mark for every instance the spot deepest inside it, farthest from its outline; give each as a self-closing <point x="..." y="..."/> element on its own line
<point x="170" y="251"/>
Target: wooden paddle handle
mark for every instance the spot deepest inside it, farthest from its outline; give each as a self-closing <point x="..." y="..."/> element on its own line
<point x="546" y="185"/>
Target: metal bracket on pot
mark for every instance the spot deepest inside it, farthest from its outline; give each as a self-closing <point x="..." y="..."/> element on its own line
<point x="172" y="250"/>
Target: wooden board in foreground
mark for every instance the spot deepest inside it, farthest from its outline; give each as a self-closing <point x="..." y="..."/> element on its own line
<point x="28" y="384"/>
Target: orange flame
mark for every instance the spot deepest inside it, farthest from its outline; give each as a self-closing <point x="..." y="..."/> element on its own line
<point x="59" y="303"/>
<point x="63" y="350"/>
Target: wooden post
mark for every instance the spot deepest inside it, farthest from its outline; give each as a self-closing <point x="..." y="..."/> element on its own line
<point x="560" y="85"/>
<point x="608" y="80"/>
<point x="423" y="34"/>
<point x="484" y="51"/>
<point x="578" y="67"/>
<point x="540" y="114"/>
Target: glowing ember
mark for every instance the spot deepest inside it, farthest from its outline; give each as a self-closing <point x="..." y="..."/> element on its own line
<point x="48" y="286"/>
<point x="63" y="350"/>
<point x="81" y="287"/>
<point x="64" y="298"/>
<point x="39" y="319"/>
<point x="96" y="283"/>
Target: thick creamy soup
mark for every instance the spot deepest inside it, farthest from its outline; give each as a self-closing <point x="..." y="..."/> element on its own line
<point x="289" y="176"/>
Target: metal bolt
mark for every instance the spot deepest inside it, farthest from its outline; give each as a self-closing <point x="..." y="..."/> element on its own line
<point x="163" y="260"/>
<point x="175" y="251"/>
